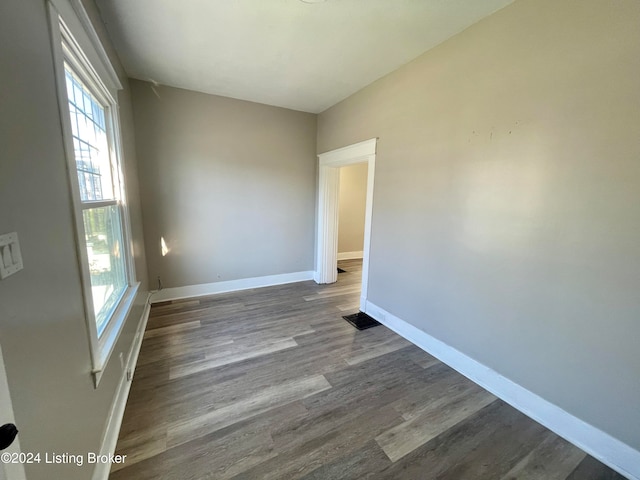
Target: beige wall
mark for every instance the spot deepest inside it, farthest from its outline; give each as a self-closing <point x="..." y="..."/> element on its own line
<point x="509" y="159"/>
<point x="229" y="185"/>
<point x="353" y="196"/>
<point x="42" y="327"/>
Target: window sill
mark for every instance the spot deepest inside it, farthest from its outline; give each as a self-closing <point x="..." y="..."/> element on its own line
<point x="109" y="337"/>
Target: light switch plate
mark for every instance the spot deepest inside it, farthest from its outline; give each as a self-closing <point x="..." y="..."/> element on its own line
<point x="10" y="256"/>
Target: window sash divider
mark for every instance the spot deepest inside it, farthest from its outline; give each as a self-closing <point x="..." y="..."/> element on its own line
<point x="89" y="204"/>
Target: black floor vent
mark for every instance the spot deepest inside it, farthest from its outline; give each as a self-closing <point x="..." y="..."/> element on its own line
<point x="361" y="321"/>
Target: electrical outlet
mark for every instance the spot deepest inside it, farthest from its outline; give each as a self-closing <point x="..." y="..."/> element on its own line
<point x="10" y="256"/>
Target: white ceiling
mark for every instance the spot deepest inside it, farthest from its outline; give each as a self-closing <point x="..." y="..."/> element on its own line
<point x="280" y="52"/>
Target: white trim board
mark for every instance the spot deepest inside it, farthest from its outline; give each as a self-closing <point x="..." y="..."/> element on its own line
<point x="204" y="289"/>
<point x="329" y="164"/>
<point x="116" y="413"/>
<point x="350" y="255"/>
<point x="610" y="451"/>
<point x="356" y="153"/>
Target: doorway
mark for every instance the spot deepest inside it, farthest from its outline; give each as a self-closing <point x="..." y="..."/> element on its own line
<point x="352" y="203"/>
<point x="328" y="198"/>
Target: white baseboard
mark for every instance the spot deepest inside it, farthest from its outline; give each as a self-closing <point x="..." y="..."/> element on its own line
<point x="609" y="450"/>
<point x="190" y="291"/>
<point x="114" y="421"/>
<point x="350" y="255"/>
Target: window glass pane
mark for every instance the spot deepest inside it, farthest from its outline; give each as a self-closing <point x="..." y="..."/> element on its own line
<point x="105" y="249"/>
<point x="90" y="141"/>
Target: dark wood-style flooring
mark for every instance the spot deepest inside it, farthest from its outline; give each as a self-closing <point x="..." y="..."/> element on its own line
<point x="272" y="383"/>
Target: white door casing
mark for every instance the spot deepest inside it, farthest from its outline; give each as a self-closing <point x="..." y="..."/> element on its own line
<point x="8" y="471"/>
<point x="328" y="190"/>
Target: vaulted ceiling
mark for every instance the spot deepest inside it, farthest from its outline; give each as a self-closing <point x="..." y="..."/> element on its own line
<point x="289" y="53"/>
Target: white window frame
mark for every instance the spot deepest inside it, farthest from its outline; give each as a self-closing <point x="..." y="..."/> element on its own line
<point x="75" y="42"/>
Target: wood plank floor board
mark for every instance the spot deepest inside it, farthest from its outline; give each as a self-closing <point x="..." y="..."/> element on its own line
<point x="289" y="329"/>
<point x="376" y="349"/>
<point x="308" y="453"/>
<point x="443" y="414"/>
<point x="172" y="329"/>
<point x="245" y="376"/>
<point x="197" y="397"/>
<point x="183" y="430"/>
<point x="553" y="459"/>
<point x="363" y="463"/>
<point x="422" y="358"/>
<point x="191" y="337"/>
<point x="506" y="448"/>
<point x="437" y="383"/>
<point x="230" y="353"/>
<point x="380" y="370"/>
<point x="227" y="397"/>
<point x="171" y="306"/>
<point x="591" y="469"/>
<point x="333" y="409"/>
<point x="237" y="447"/>
<point x="336" y="334"/>
<point x="137" y="453"/>
<point x="437" y="394"/>
<point x="272" y="383"/>
<point x="178" y="352"/>
<point x="202" y="314"/>
<point x="435" y="459"/>
<point x="337" y="406"/>
<point x="180" y="309"/>
<point x="330" y="293"/>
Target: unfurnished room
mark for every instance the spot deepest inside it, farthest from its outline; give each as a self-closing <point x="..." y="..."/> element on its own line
<point x="319" y="239"/>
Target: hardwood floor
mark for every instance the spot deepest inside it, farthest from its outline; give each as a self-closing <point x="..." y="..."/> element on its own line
<point x="272" y="383"/>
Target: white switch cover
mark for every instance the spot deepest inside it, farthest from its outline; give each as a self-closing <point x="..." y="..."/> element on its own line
<point x="10" y="257"/>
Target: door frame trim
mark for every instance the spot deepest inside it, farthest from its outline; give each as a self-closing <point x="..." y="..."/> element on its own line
<point x="329" y="164"/>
